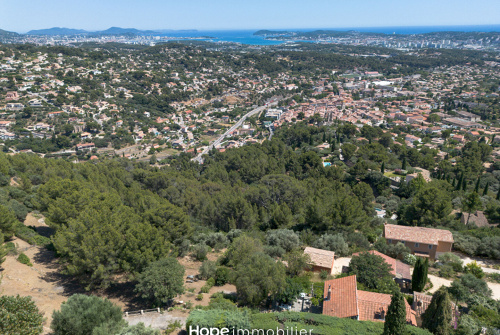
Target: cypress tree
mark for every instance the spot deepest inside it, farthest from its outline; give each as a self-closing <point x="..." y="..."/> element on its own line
<point x="382" y="168"/>
<point x="439" y="174"/>
<point x="454" y="182"/>
<point x="485" y="192"/>
<point x="464" y="185"/>
<point x="437" y="318"/>
<point x="395" y="321"/>
<point x="476" y="189"/>
<point x="498" y="194"/>
<point x="419" y="277"/>
<point x="403" y="166"/>
<point x="324" y="137"/>
<point x="459" y="183"/>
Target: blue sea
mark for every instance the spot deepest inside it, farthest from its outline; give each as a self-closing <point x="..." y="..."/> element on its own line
<point x="247" y="37"/>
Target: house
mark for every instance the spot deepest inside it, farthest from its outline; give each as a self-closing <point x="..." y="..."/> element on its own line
<point x="478" y="218"/>
<point x="342" y="299"/>
<point x="321" y="260"/>
<point x="14" y="106"/>
<point x="423" y="242"/>
<point x="399" y="270"/>
<point x="11" y="95"/>
<point x="5" y="124"/>
<point x="85" y="146"/>
<point x="426" y="174"/>
<point x="7" y="136"/>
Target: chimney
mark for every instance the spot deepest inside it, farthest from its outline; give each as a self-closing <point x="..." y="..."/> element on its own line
<point x="329" y="292"/>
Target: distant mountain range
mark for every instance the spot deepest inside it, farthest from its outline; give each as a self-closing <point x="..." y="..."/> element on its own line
<point x="5" y="33"/>
<point x="110" y="31"/>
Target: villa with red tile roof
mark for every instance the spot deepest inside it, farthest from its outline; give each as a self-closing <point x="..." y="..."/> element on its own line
<point x="424" y="242"/>
<point x="342" y="299"/>
<point x="321" y="260"/>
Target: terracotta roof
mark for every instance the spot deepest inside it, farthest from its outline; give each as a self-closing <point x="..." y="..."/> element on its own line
<point x="342" y="302"/>
<point x="389" y="260"/>
<point x="403" y="270"/>
<point x="417" y="234"/>
<point x="477" y="218"/>
<point x="374" y="306"/>
<point x="320" y="257"/>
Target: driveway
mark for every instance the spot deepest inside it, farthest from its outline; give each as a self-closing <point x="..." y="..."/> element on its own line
<point x="482" y="262"/>
<point x="437" y="282"/>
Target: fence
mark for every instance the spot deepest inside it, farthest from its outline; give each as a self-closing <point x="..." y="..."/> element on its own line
<point x="142" y="312"/>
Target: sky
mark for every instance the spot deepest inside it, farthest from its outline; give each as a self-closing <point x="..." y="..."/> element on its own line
<point x="24" y="15"/>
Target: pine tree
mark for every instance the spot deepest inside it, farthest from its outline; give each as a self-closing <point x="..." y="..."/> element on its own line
<point x="476" y="189"/>
<point x="382" y="168"/>
<point x="395" y="321"/>
<point x="485" y="192"/>
<point x="437" y="318"/>
<point x="419" y="277"/>
<point x="403" y="166"/>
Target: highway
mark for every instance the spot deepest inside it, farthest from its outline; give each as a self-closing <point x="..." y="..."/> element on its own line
<point x="218" y="141"/>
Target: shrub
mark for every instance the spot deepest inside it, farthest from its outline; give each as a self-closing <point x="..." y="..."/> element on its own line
<point x="217" y="240"/>
<point x="81" y="314"/>
<point x="30" y="235"/>
<point x="183" y="248"/>
<point x="199" y="297"/>
<point x="210" y="282"/>
<point x="138" y="329"/>
<point x="216" y="318"/>
<point x="446" y="271"/>
<point x="200" y="252"/>
<point x="475" y="269"/>
<point x="19" y="315"/>
<point x="161" y="281"/>
<point x="207" y="269"/>
<point x="222" y="275"/>
<point x="11" y="248"/>
<point x="173" y="326"/>
<point x="410" y="259"/>
<point x="274" y="251"/>
<point x="284" y="238"/>
<point x="494" y="277"/>
<point x="334" y="243"/>
<point x="22" y="258"/>
<point x="323" y="274"/>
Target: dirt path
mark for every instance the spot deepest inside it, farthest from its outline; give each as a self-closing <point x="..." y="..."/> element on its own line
<point x="44" y="281"/>
<point x="32" y="281"/>
<point x="49" y="288"/>
<point x="484" y="263"/>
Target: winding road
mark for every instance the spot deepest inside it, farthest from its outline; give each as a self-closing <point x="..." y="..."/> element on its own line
<point x="218" y="141"/>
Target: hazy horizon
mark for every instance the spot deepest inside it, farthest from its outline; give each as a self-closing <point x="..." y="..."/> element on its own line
<point x="277" y="29"/>
<point x="95" y="15"/>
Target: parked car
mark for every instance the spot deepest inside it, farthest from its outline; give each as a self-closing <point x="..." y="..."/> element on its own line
<point x="284" y="307"/>
<point x="303" y="295"/>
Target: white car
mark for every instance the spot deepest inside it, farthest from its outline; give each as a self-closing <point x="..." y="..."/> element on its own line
<point x="285" y="307"/>
<point x="303" y="295"/>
